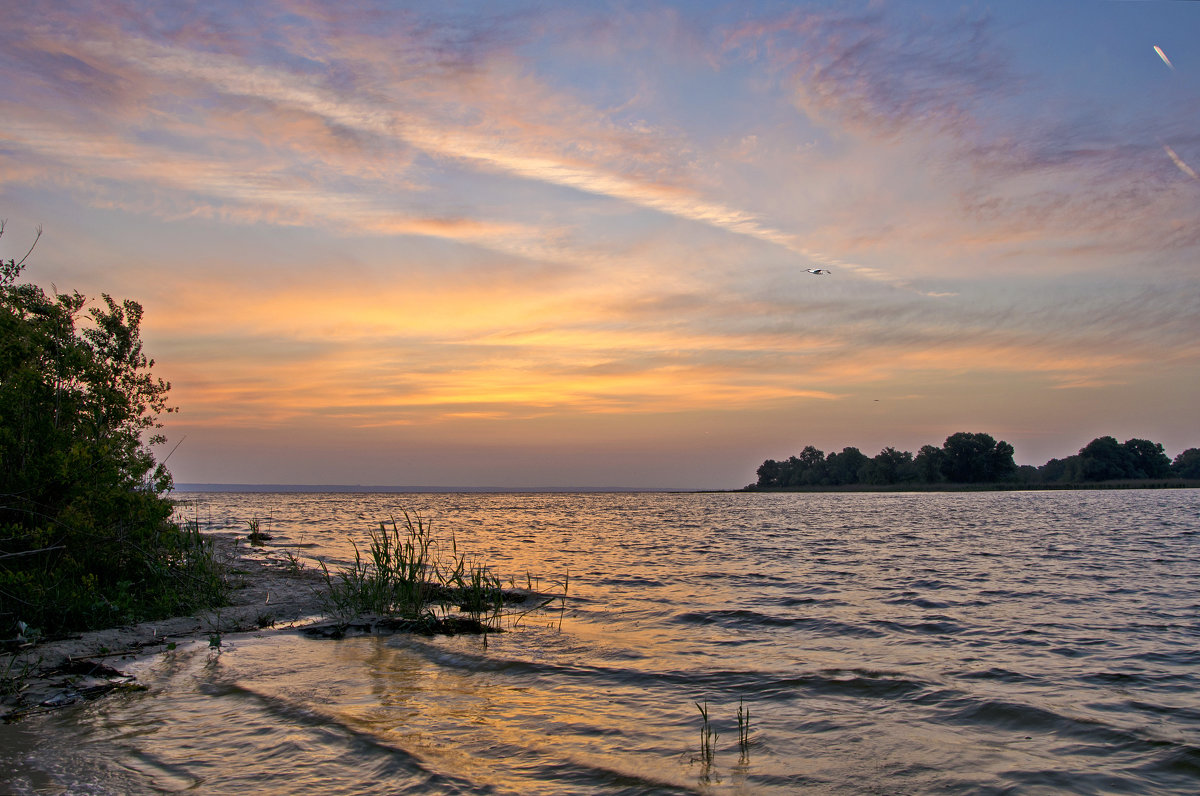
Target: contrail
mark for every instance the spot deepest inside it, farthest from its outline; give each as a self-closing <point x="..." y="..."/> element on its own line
<point x="426" y="134"/>
<point x="1185" y="168"/>
<point x="1164" y="57"/>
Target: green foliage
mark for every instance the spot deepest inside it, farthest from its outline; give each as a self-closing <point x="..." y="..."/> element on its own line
<point x="256" y="536"/>
<point x="408" y="574"/>
<point x="86" y="537"/>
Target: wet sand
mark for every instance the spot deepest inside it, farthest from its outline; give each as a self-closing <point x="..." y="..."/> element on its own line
<point x="267" y="591"/>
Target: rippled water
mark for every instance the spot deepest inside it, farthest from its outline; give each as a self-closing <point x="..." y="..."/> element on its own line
<point x="882" y="643"/>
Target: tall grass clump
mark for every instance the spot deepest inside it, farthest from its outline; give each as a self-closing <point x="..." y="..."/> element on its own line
<point x="407" y="573"/>
<point x="473" y="586"/>
<point x="256" y="536"/>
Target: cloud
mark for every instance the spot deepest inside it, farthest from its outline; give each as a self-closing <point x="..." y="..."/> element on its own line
<point x="405" y="352"/>
<point x="522" y="233"/>
<point x="875" y="75"/>
<point x="954" y="148"/>
<point x="481" y="111"/>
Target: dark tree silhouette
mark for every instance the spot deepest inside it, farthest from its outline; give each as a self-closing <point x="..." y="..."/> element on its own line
<point x="972" y="458"/>
<point x="1145" y="459"/>
<point x="1103" y="459"/>
<point x="843" y="468"/>
<point x="1187" y="464"/>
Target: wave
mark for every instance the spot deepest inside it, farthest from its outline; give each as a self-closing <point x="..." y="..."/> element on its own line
<point x="744" y="618"/>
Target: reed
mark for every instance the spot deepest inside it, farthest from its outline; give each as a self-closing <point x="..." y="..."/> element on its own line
<point x="408" y="574"/>
<point x="743" y="720"/>
<point x="708" y="736"/>
<point x="476" y="589"/>
<point x="293" y="563"/>
<point x="15" y="674"/>
<point x="256" y="537"/>
<point x="566" y="585"/>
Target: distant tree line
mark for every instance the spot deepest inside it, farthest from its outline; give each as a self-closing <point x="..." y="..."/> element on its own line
<point x="967" y="458"/>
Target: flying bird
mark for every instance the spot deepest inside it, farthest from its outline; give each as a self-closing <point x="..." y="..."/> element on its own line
<point x="818" y="271"/>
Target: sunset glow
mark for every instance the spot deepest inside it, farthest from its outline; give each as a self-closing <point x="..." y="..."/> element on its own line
<point x="523" y="244"/>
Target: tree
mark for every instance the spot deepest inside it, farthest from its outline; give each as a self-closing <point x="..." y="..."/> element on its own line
<point x="976" y="458"/>
<point x="842" y="468"/>
<point x="928" y="464"/>
<point x="1059" y="470"/>
<point x="770" y="474"/>
<point x="1145" y="459"/>
<point x="1103" y="459"/>
<point x="86" y="536"/>
<point x="890" y="466"/>
<point x="1028" y="474"/>
<point x="808" y="468"/>
<point x="1187" y="464"/>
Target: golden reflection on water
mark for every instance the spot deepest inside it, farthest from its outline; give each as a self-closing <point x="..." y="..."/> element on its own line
<point x="914" y="643"/>
<point x="492" y="725"/>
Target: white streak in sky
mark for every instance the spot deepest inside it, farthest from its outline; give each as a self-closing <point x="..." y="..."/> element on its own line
<point x="277" y="86"/>
<point x="1185" y="168"/>
<point x="1164" y="57"/>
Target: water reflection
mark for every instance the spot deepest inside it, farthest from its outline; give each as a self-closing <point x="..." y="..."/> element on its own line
<point x="892" y="642"/>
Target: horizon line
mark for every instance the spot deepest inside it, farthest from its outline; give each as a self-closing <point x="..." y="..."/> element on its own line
<point x="410" y="489"/>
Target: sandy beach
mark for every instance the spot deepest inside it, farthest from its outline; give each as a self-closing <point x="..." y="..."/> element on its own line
<point x="268" y="591"/>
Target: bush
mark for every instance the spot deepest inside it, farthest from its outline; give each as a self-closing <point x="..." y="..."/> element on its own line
<point x="86" y="536"/>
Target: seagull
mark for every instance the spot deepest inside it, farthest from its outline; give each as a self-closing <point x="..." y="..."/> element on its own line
<point x="818" y="271"/>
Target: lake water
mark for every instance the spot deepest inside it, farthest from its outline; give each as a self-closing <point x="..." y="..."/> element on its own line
<point x="1043" y="642"/>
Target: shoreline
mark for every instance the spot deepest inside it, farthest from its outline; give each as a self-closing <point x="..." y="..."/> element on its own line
<point x="267" y="592"/>
<point x="1011" y="486"/>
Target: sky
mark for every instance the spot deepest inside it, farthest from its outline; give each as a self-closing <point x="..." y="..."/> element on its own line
<point x="566" y="244"/>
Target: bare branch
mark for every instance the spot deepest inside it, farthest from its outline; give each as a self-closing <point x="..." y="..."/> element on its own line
<point x="32" y="552"/>
<point x="31" y="248"/>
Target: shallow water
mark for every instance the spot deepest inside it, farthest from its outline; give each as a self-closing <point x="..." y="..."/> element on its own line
<point x="882" y="643"/>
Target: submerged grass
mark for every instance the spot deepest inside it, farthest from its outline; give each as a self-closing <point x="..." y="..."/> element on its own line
<point x="743" y="720"/>
<point x="708" y="736"/>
